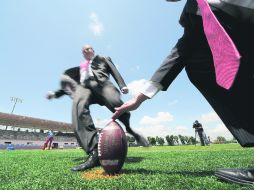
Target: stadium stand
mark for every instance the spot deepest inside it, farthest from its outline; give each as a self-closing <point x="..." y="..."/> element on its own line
<point x="34" y="140"/>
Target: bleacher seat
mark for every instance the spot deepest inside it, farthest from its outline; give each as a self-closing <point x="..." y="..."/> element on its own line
<point x="2" y="146"/>
<point x="10" y="147"/>
<point x="24" y="136"/>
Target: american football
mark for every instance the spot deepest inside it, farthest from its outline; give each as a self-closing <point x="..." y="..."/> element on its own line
<point x="112" y="147"/>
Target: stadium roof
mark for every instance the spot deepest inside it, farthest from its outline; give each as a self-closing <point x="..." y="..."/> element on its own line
<point x="33" y="123"/>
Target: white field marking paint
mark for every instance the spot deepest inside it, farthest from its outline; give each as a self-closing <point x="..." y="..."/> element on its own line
<point x="109" y="162"/>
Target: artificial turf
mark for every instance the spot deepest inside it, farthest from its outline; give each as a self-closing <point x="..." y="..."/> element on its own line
<point x="161" y="167"/>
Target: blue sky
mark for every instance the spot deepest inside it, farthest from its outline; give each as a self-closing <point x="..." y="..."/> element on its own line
<point x="40" y="39"/>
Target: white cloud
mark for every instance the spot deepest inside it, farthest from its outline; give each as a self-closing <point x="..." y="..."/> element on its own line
<point x="180" y="129"/>
<point x="214" y="127"/>
<point x="210" y="117"/>
<point x="135" y="86"/>
<point x="95" y="25"/>
<point x="163" y="131"/>
<point x="161" y="117"/>
<point x="153" y="131"/>
<point x="219" y="130"/>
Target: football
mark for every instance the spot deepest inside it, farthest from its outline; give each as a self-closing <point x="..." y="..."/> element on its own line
<point x="112" y="147"/>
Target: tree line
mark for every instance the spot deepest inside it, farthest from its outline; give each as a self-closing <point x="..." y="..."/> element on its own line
<point x="172" y="140"/>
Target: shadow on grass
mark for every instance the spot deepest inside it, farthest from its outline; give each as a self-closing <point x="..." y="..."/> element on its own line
<point x="153" y="172"/>
<point x="133" y="159"/>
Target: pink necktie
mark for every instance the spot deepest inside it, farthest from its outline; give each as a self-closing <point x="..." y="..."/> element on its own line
<point x="84" y="65"/>
<point x="226" y="57"/>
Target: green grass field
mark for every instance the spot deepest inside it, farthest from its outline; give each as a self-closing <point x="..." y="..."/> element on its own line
<point x="176" y="168"/>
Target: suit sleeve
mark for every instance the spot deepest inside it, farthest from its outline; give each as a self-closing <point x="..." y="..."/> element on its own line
<point x="114" y="72"/>
<point x="59" y="93"/>
<point x="169" y="69"/>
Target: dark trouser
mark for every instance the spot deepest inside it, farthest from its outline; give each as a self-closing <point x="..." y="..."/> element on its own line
<point x="93" y="93"/>
<point x="234" y="106"/>
<point x="48" y="143"/>
<point x="202" y="137"/>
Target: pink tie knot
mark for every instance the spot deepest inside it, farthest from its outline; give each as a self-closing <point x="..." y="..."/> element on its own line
<point x="84" y="65"/>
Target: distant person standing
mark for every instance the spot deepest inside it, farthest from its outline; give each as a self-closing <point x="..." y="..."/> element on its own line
<point x="200" y="131"/>
<point x="49" y="140"/>
<point x="209" y="140"/>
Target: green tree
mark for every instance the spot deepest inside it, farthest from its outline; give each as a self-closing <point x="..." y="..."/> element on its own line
<point x="151" y="140"/>
<point x="170" y="140"/>
<point x="176" y="140"/>
<point x="221" y="140"/>
<point x="186" y="139"/>
<point x="160" y="140"/>
<point x="182" y="139"/>
<point x="192" y="140"/>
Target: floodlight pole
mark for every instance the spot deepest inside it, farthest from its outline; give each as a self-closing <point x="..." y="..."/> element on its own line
<point x="15" y="100"/>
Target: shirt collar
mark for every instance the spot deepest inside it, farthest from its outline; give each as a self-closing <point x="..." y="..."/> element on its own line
<point x="91" y="59"/>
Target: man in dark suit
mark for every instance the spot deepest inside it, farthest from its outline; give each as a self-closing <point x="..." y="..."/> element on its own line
<point x="193" y="53"/>
<point x="90" y="84"/>
<point x="200" y="131"/>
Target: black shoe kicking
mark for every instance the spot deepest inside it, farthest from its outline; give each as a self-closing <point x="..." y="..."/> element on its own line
<point x="239" y="176"/>
<point x="141" y="141"/>
<point x="91" y="162"/>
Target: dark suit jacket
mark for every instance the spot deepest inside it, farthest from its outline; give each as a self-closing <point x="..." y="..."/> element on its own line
<point x="170" y="68"/>
<point x="242" y="10"/>
<point x="102" y="68"/>
<point x="192" y="52"/>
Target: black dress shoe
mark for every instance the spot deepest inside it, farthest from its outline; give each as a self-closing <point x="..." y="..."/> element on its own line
<point x="141" y="141"/>
<point x="239" y="176"/>
<point x="91" y="162"/>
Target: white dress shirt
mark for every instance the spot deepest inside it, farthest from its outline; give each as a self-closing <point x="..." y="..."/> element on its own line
<point x="151" y="88"/>
<point x="85" y="74"/>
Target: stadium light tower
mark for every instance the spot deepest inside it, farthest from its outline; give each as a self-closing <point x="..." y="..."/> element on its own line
<point x="15" y="100"/>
